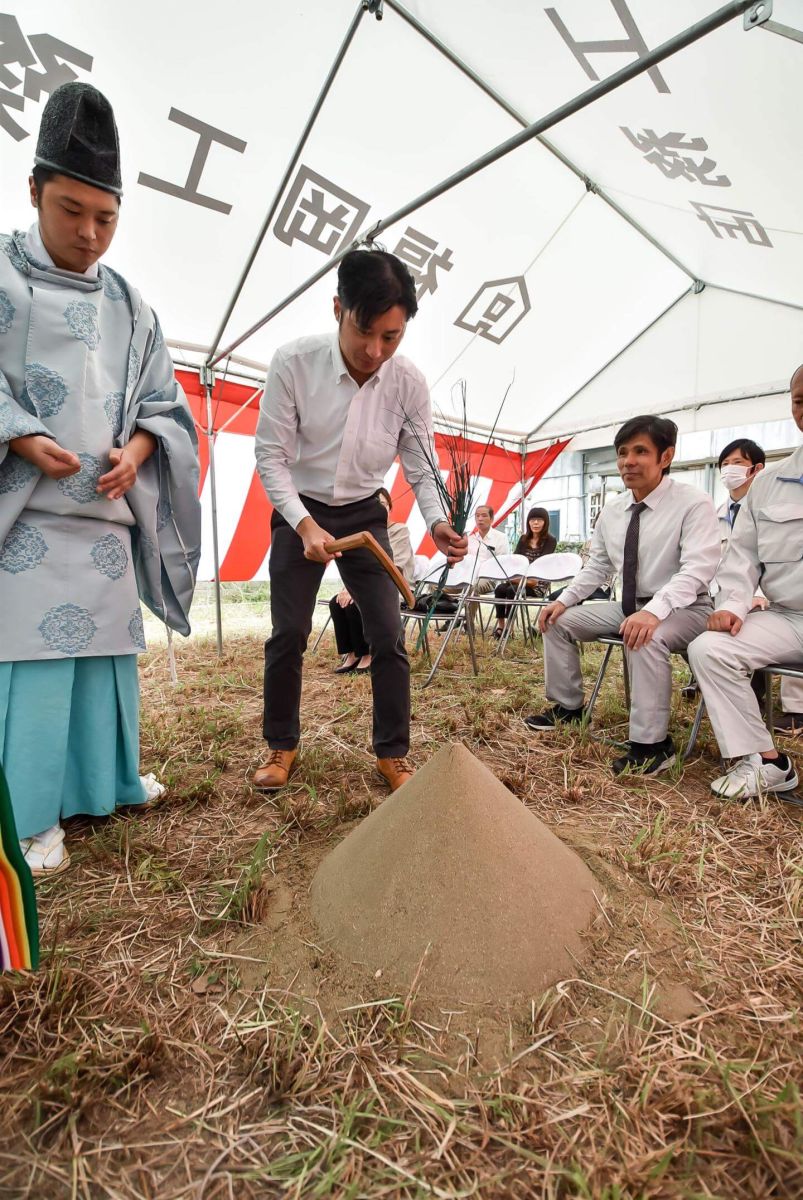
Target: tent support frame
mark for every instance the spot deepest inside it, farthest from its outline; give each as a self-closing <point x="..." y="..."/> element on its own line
<point x="363" y="7"/>
<point x="680" y="41"/>
<point x="207" y="380"/>
<point x="589" y="184"/>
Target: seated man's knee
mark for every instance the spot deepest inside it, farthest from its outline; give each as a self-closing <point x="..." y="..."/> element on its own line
<point x="706" y="648"/>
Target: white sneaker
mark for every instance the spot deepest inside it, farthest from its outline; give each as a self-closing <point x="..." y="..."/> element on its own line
<point x="154" y="790"/>
<point x="751" y="776"/>
<point x="45" y="852"/>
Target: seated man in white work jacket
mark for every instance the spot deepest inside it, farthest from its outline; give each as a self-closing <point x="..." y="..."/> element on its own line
<point x="660" y="538"/>
<point x="766" y="547"/>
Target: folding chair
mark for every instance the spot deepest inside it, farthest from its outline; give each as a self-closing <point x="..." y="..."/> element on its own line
<point x="610" y="642"/>
<point x="551" y="568"/>
<point x="495" y="569"/>
<point x="460" y="578"/>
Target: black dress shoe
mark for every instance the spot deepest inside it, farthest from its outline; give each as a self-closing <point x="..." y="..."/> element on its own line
<point x="646" y="758"/>
<point x="346" y="668"/>
<point x="690" y="692"/>
<point x="556" y="715"/>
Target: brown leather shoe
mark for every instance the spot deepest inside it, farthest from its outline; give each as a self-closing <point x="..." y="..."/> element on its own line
<point x="273" y="774"/>
<point x="394" y="771"/>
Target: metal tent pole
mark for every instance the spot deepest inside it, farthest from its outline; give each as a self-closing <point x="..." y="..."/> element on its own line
<point x="492" y="94"/>
<point x="206" y="379"/>
<point x="679" y="42"/>
<point x="362" y="7"/>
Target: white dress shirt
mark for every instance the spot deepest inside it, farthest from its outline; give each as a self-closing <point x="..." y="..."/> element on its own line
<point x="322" y="435"/>
<point x="678" y="550"/>
<point x="480" y="547"/>
<point x="767" y="543"/>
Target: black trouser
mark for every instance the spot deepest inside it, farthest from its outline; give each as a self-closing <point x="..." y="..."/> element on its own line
<point x="294" y="583"/>
<point x="347" y="623"/>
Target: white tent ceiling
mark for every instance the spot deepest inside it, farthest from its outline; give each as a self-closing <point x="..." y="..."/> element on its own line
<point x="534" y="274"/>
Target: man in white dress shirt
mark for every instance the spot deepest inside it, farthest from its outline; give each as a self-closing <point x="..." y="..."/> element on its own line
<point x="336" y="411"/>
<point x="766" y="546"/>
<point x="660" y="538"/>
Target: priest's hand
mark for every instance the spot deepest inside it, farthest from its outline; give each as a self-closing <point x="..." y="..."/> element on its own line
<point x="451" y="543"/>
<point x="637" y="629"/>
<point x="126" y="462"/>
<point x="315" y="541"/>
<point x="343" y="598"/>
<point x="725" y="622"/>
<point x="51" y="458"/>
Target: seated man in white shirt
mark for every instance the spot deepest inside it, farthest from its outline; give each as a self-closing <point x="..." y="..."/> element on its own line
<point x="660" y="538"/>
<point x="766" y="546"/>
<point x="486" y="538"/>
<point x="336" y="411"/>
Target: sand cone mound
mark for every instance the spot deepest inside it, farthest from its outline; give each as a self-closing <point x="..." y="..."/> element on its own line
<point x="454" y="861"/>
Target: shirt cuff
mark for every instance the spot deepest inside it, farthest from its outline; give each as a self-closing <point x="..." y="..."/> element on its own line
<point x="659" y="607"/>
<point x="568" y="598"/>
<point x="294" y="513"/>
<point x="732" y="605"/>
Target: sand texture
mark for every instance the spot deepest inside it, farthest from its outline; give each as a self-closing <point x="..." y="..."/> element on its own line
<point x="454" y="867"/>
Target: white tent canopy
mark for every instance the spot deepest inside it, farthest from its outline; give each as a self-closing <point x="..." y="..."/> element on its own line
<point x="670" y="205"/>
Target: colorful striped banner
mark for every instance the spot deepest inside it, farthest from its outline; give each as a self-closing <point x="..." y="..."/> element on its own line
<point x="19" y="925"/>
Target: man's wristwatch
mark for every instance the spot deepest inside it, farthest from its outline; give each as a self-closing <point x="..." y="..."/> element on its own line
<point x="435" y="524"/>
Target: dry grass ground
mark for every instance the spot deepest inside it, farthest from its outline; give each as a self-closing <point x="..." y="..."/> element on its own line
<point x="152" y="1056"/>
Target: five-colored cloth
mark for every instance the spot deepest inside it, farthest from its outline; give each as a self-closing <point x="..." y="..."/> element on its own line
<point x="19" y="926"/>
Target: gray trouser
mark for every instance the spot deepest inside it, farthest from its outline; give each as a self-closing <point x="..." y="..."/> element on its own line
<point x="650" y="668"/>
<point x="723" y="665"/>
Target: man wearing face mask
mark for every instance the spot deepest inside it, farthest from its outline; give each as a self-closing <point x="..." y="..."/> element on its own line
<point x="739" y="464"/>
<point x="766" y="545"/>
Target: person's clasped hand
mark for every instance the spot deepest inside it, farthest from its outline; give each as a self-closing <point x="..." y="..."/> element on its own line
<point x="46" y="454"/>
<point x="725" y="622"/>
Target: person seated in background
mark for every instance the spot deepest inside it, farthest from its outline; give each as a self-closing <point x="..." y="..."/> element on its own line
<point x="738" y="464"/>
<point x="767" y="546"/>
<point x="349" y="634"/>
<point x="660" y="538"/>
<point x="533" y="543"/>
<point x="486" y="538"/>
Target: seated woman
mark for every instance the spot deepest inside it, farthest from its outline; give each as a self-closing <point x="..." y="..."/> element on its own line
<point x="536" y="542"/>
<point x="351" y="644"/>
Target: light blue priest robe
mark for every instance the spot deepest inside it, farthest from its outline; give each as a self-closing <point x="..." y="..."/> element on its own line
<point x="83" y="360"/>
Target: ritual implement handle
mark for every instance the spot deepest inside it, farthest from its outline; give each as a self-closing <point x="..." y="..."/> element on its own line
<point x="367" y="541"/>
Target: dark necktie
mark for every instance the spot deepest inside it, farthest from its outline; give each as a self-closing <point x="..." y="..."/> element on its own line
<point x="630" y="561"/>
<point x="735" y="506"/>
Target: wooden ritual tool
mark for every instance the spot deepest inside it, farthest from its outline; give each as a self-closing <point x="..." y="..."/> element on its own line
<point x="367" y="541"/>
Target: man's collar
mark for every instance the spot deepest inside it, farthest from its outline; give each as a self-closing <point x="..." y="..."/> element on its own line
<point x="38" y="250"/>
<point x="656" y="495"/>
<point x="339" y="363"/>
<point x="798" y="456"/>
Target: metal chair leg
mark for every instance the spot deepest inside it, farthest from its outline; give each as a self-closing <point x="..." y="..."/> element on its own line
<point x="695" y="729"/>
<point x="320" y="635"/>
<point x="592" y="700"/>
<point x="769" y="708"/>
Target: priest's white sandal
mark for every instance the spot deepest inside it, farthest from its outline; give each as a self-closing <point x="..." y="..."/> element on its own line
<point x="45" y="853"/>
<point x="154" y="790"/>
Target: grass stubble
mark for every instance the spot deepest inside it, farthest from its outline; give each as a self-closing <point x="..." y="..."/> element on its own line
<point x="155" y="1056"/>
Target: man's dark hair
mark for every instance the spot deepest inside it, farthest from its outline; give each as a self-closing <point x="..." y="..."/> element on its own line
<point x="369" y="282"/>
<point x="42" y="175"/>
<point x="750" y="450"/>
<point x="490" y="510"/>
<point x="383" y="491"/>
<point x="662" y="432"/>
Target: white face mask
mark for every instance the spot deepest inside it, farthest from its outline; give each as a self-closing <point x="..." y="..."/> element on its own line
<point x="734" y="476"/>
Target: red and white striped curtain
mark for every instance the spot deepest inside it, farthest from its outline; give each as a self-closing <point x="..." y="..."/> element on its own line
<point x="244" y="511"/>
